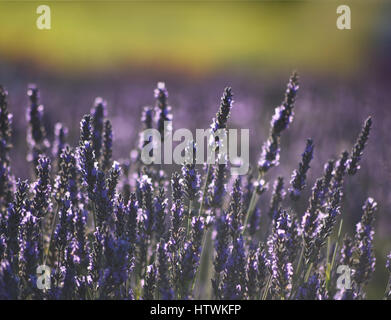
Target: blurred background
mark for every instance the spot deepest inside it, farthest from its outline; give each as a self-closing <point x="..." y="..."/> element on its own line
<point x="120" y="49"/>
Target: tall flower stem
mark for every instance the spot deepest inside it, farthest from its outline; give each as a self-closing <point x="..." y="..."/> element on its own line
<point x="204" y="262"/>
<point x="388" y="288"/>
<point x="307" y="275"/>
<point x="53" y="228"/>
<point x="207" y="235"/>
<point x="189" y="218"/>
<point x="300" y="258"/>
<point x="265" y="292"/>
<point x="204" y="188"/>
<point x="334" y="256"/>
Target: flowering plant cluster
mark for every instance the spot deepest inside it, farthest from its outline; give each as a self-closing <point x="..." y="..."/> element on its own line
<point x="126" y="230"/>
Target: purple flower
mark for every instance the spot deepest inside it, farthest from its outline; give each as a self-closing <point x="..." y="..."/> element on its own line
<point x="14" y="219"/>
<point x="346" y="253"/>
<point x="299" y="176"/>
<point x="365" y="264"/>
<point x="146" y="191"/>
<point x="310" y="221"/>
<point x="310" y="290"/>
<point x="234" y="282"/>
<point x="262" y="265"/>
<point x="270" y="156"/>
<point x="70" y="284"/>
<point x="252" y="274"/>
<point x="36" y="134"/>
<point x="64" y="229"/>
<point x="131" y="224"/>
<point x="327" y="178"/>
<point x="164" y="282"/>
<point x="146" y="119"/>
<point x="60" y="133"/>
<point x="283" y="116"/>
<point x="80" y="225"/>
<point x="5" y="126"/>
<point x="278" y="196"/>
<point x="191" y="178"/>
<point x="217" y="187"/>
<point x="102" y="201"/>
<point x="340" y="170"/>
<point x="388" y="262"/>
<point x="107" y="145"/>
<point x="85" y="129"/>
<point x="221" y="243"/>
<point x="279" y="250"/>
<point x="88" y="167"/>
<point x="98" y="113"/>
<point x="5" y="147"/>
<point x="150" y="283"/>
<point x="357" y="152"/>
<point x="254" y="223"/>
<point x="42" y="189"/>
<point x="328" y="222"/>
<point x="117" y="267"/>
<point x="222" y="116"/>
<point x="234" y="213"/>
<point x="9" y="282"/>
<point x="191" y="256"/>
<point x="30" y="253"/>
<point x="162" y="109"/>
<point x="160" y="205"/>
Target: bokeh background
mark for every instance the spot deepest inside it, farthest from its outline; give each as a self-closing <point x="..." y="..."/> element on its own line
<point x="120" y="49"/>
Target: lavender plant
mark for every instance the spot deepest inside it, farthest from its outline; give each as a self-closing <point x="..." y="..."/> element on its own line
<point x="125" y="230"/>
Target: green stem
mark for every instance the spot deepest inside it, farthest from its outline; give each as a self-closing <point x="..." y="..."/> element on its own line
<point x="252" y="205"/>
<point x="207" y="234"/>
<point x="265" y="292"/>
<point x="204" y="190"/>
<point x="189" y="218"/>
<point x="54" y="223"/>
<point x="307" y="275"/>
<point x="300" y="257"/>
<point x="334" y="254"/>
<point x="388" y="287"/>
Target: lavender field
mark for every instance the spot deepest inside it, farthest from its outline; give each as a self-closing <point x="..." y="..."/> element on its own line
<point x="83" y="216"/>
<point x="76" y="197"/>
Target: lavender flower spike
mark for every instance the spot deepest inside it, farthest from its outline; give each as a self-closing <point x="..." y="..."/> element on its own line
<point x="222" y="252"/>
<point x="222" y="116"/>
<point x="107" y="146"/>
<point x="234" y="282"/>
<point x="36" y="135"/>
<point x="98" y="113"/>
<point x="164" y="281"/>
<point x="191" y="178"/>
<point x="365" y="263"/>
<point x="85" y="129"/>
<point x="299" y="176"/>
<point x="42" y="189"/>
<point x="281" y="266"/>
<point x="280" y="121"/>
<point x="150" y="283"/>
<point x="357" y="152"/>
<point x="162" y="110"/>
<point x="5" y="126"/>
<point x="61" y="133"/>
<point x="278" y="196"/>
